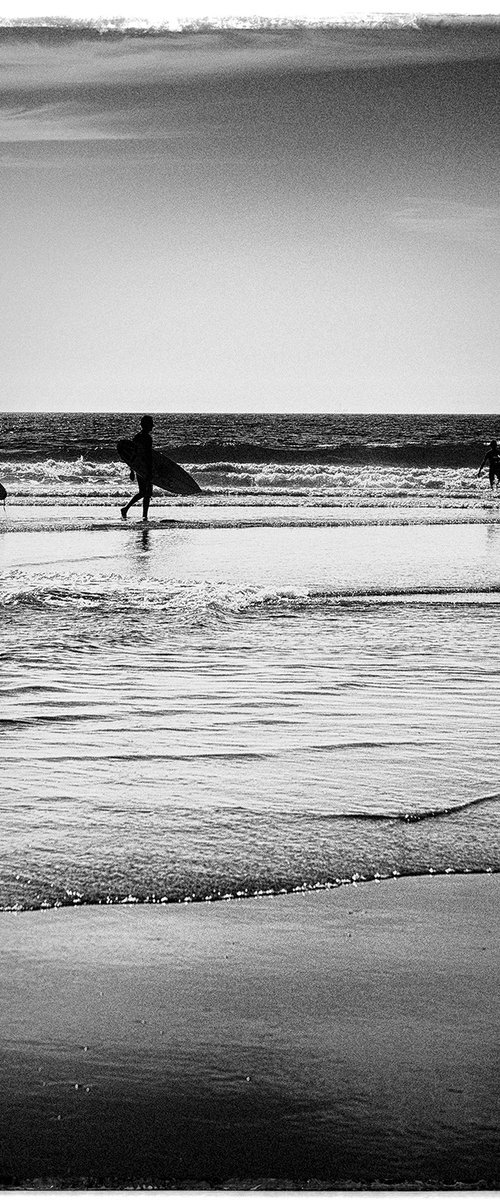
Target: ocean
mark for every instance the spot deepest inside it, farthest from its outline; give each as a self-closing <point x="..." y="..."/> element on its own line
<point x="286" y="683"/>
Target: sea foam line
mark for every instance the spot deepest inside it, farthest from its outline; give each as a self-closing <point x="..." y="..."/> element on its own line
<point x="74" y="898"/>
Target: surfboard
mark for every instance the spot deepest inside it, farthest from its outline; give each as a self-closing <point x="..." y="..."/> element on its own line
<point x="166" y="473"/>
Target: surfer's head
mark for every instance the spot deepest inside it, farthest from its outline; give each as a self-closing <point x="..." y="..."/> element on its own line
<point x="493" y="444"/>
<point x="147" y="423"/>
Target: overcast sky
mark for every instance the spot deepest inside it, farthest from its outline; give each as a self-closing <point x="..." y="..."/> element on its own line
<point x="251" y="222"/>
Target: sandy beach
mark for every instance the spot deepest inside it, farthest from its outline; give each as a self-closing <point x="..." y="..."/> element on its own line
<point x="346" y="1037"/>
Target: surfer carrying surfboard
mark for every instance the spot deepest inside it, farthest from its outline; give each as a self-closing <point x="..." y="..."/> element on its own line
<point x="493" y="459"/>
<point x="144" y="442"/>
<point x="151" y="466"/>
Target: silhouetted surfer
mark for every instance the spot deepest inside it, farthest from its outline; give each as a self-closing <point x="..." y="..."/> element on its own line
<point x="145" y="442"/>
<point x="492" y="457"/>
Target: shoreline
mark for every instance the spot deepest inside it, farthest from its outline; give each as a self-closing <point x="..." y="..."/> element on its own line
<point x="55" y="517"/>
<point x="155" y="900"/>
<point x="341" y="1037"/>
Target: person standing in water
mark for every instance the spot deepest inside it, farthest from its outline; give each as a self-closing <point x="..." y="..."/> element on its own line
<point x="145" y="442"/>
<point x="492" y="457"/>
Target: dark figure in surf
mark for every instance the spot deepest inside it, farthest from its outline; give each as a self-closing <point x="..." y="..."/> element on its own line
<point x="145" y="442"/>
<point x="492" y="457"/>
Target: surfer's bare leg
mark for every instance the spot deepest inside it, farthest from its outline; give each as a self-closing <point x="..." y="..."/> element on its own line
<point x="143" y="494"/>
<point x="126" y="507"/>
<point x="145" y="504"/>
<point x="146" y="493"/>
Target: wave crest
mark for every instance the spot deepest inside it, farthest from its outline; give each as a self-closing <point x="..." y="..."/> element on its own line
<point x="199" y="599"/>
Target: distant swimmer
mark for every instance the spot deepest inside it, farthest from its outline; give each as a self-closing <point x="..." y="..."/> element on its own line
<point x="144" y="443"/>
<point x="492" y="457"/>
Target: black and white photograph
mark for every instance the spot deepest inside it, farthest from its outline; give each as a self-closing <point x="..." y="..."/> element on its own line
<point x="249" y="597"/>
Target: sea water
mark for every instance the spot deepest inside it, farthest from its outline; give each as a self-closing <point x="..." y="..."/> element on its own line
<point x="288" y="682"/>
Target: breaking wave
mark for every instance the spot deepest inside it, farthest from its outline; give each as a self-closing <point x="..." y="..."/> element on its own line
<point x="217" y="599"/>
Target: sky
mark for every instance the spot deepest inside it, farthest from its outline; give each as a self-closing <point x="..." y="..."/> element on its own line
<point x="261" y="221"/>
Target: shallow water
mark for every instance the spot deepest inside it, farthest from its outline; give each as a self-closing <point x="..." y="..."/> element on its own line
<point x="193" y="711"/>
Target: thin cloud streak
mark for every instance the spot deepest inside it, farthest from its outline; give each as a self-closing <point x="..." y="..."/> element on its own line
<point x="472" y="224"/>
<point x="76" y="121"/>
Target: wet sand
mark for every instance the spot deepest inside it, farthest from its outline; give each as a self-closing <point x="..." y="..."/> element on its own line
<point x="348" y="1037"/>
